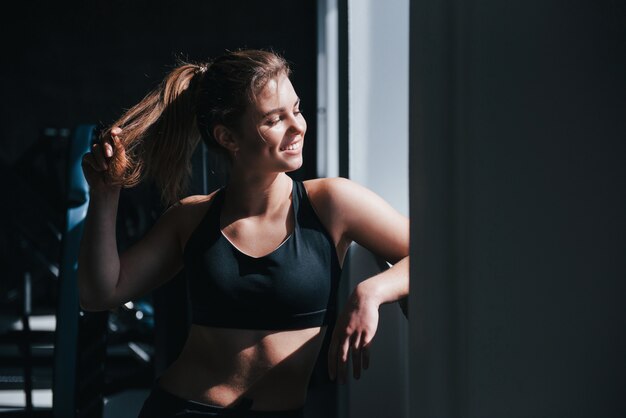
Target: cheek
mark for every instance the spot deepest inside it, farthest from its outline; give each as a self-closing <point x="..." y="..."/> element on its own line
<point x="265" y="139"/>
<point x="265" y="143"/>
<point x="258" y="138"/>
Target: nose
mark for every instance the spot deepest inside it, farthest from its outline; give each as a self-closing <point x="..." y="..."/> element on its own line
<point x="297" y="124"/>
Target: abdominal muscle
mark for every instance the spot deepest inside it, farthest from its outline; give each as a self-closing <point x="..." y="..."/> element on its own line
<point x="221" y="366"/>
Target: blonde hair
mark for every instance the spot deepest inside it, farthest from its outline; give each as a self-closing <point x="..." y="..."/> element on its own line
<point x="161" y="132"/>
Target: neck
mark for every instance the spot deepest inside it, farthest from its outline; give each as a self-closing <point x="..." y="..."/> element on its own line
<point x="256" y="195"/>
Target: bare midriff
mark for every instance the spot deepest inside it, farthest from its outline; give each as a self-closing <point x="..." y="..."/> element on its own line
<point x="221" y="366"/>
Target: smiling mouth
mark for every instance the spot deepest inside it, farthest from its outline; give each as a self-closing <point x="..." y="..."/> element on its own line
<point x="291" y="147"/>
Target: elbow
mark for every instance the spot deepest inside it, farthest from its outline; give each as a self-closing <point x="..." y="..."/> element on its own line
<point x="90" y="306"/>
<point x="92" y="298"/>
<point x="91" y="303"/>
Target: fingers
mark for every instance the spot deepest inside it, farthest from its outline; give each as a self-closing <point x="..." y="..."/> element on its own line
<point x="98" y="153"/>
<point x="352" y="338"/>
<point x="108" y="150"/>
<point x="365" y="352"/>
<point x="338" y="356"/>
<point x="88" y="160"/>
<point x="342" y="367"/>
<point x="115" y="146"/>
<point x="100" y="158"/>
<point x="339" y="352"/>
<point x="356" y="356"/>
<point x="102" y="151"/>
<point x="114" y="141"/>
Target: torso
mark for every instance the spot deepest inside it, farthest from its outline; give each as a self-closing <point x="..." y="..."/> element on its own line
<point x="220" y="366"/>
<point x="272" y="368"/>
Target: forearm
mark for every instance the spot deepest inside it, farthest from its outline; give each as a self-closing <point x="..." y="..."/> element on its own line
<point x="388" y="286"/>
<point x="98" y="259"/>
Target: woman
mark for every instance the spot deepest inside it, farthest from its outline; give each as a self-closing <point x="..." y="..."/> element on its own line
<point x="262" y="255"/>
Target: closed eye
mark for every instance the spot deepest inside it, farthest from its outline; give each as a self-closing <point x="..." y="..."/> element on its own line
<point x="273" y="121"/>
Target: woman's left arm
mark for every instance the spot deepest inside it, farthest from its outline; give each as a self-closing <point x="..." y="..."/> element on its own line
<point x="367" y="219"/>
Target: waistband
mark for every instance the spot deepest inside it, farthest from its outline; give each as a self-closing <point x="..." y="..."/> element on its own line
<point x="163" y="400"/>
<point x="241" y="319"/>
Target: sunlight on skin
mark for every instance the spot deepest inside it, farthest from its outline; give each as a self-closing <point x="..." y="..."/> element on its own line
<point x="256" y="364"/>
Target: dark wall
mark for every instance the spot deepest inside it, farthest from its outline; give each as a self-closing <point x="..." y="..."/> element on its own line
<point x="67" y="63"/>
<point x="517" y="208"/>
<point x="71" y="63"/>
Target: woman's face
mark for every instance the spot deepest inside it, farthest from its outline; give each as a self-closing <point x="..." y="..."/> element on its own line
<point x="272" y="134"/>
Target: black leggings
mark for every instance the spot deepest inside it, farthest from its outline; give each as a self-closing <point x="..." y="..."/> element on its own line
<point x="163" y="404"/>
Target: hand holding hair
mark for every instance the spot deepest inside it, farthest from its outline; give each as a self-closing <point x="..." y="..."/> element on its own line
<point x="105" y="160"/>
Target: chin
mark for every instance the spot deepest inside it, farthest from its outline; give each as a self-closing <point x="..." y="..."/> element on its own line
<point x="293" y="164"/>
<point x="291" y="167"/>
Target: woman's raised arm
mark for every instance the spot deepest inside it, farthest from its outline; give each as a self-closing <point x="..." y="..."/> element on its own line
<point x="106" y="279"/>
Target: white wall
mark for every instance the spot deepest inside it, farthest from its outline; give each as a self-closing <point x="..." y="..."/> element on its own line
<point x="379" y="83"/>
<point x="378" y="117"/>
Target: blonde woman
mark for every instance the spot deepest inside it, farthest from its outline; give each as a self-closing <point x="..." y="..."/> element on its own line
<point x="262" y="254"/>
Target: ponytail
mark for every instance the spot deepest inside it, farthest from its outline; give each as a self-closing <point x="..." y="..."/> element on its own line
<point x="159" y="135"/>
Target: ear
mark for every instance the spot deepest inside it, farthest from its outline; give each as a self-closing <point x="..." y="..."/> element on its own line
<point x="226" y="138"/>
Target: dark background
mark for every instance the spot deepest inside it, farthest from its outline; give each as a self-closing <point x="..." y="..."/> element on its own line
<point x="67" y="63"/>
<point x="72" y="63"/>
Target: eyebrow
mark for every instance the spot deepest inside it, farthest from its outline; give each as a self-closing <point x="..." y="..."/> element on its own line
<point x="279" y="109"/>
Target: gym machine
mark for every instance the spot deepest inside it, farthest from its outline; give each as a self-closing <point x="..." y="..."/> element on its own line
<point x="84" y="357"/>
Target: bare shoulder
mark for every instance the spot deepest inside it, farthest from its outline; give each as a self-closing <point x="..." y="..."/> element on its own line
<point x="357" y="214"/>
<point x="187" y="213"/>
<point x="327" y="185"/>
<point x="331" y="191"/>
<point x="319" y="192"/>
<point x="190" y="204"/>
<point x="329" y="197"/>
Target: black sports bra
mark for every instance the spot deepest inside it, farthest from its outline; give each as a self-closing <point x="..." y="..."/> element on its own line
<point x="293" y="287"/>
